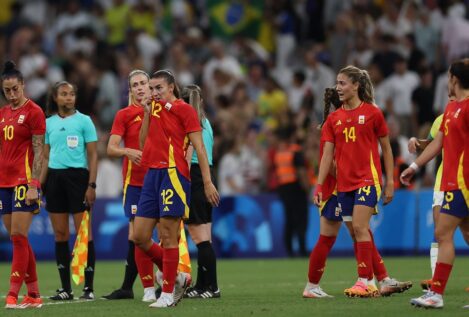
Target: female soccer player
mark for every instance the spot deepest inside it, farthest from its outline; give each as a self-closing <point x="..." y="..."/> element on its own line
<point x="330" y="222"/>
<point x="69" y="174"/>
<point x="452" y="138"/>
<point x="126" y="128"/>
<point x="167" y="127"/>
<point x="23" y="124"/>
<point x="199" y="223"/>
<point x="353" y="132"/>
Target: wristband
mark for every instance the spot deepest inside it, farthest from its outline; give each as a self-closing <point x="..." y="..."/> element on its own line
<point x="414" y="166"/>
<point x="35" y="183"/>
<point x="317" y="189"/>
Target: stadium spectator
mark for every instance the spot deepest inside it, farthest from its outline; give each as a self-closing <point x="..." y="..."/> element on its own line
<point x="69" y="174"/>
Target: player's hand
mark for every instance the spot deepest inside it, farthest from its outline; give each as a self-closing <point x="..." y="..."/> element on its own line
<point x="388" y="193"/>
<point x="135" y="156"/>
<point x="90" y="197"/>
<point x="146" y="103"/>
<point x="406" y="176"/>
<point x="413" y="145"/>
<point x="317" y="195"/>
<point x="212" y="194"/>
<point x="32" y="195"/>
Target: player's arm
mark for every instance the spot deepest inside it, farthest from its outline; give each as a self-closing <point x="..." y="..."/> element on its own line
<point x="210" y="191"/>
<point x="388" y="169"/>
<point x="32" y="194"/>
<point x="432" y="150"/>
<point x="45" y="164"/>
<point x="417" y="144"/>
<point x="92" y="156"/>
<point x="115" y="150"/>
<point x="324" y="168"/>
<point x="142" y="136"/>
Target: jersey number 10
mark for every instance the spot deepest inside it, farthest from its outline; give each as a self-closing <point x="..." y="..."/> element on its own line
<point x="8" y="132"/>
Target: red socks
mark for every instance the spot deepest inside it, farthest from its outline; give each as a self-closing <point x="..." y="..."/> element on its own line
<point x="441" y="276"/>
<point x="145" y="266"/>
<point x="155" y="253"/>
<point x="364" y="259"/>
<point x="19" y="265"/>
<point x="318" y="257"/>
<point x="170" y="267"/>
<point x="378" y="264"/>
<point x="31" y="275"/>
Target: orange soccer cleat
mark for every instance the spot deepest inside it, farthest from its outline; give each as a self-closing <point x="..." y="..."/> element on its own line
<point x="31" y="302"/>
<point x="360" y="289"/>
<point x="10" y="302"/>
<point x="426" y="284"/>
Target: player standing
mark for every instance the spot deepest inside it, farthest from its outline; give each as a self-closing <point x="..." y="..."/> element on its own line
<point x="23" y="125"/>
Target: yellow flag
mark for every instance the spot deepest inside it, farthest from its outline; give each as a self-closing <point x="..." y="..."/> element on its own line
<point x="184" y="258"/>
<point x="80" y="250"/>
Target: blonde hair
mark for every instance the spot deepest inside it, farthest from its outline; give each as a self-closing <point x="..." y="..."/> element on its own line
<point x="129" y="78"/>
<point x="365" y="86"/>
<point x="192" y="94"/>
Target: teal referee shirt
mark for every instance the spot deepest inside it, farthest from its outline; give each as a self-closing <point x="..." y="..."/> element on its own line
<point x="207" y="136"/>
<point x="67" y="138"/>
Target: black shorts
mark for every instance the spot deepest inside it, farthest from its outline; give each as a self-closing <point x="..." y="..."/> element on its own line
<point x="200" y="209"/>
<point x="65" y="190"/>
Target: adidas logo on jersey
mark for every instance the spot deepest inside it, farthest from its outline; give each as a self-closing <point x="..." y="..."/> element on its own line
<point x="362" y="198"/>
<point x="137" y="119"/>
<point x="63" y="129"/>
<point x="338" y="122"/>
<point x="446" y="206"/>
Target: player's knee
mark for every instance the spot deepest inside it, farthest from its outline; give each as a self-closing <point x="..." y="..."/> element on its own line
<point x="441" y="236"/>
<point x="61" y="235"/>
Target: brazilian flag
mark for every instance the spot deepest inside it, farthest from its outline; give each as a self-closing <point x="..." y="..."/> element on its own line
<point x="235" y="17"/>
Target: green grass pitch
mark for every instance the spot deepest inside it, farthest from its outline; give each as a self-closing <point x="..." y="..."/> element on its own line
<point x="258" y="288"/>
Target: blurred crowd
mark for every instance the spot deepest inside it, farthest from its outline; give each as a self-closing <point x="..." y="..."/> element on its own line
<point x="255" y="83"/>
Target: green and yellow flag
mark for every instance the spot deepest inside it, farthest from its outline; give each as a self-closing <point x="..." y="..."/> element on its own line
<point x="80" y="250"/>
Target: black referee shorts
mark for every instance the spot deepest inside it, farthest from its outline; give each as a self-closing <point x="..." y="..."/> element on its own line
<point x="65" y="190"/>
<point x="200" y="209"/>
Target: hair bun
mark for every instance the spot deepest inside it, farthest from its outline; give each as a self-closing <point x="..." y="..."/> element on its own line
<point x="9" y="67"/>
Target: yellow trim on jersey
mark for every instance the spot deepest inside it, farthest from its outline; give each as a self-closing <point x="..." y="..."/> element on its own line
<point x="461" y="182"/>
<point x="173" y="176"/>
<point x="27" y="168"/>
<point x="374" y="172"/>
<point x="127" y="180"/>
<point x="172" y="161"/>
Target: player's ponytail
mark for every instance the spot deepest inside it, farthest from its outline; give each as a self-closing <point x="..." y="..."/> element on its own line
<point x="331" y="98"/>
<point x="10" y="71"/>
<point x="192" y="94"/>
<point x="170" y="80"/>
<point x="129" y="78"/>
<point x="365" y="87"/>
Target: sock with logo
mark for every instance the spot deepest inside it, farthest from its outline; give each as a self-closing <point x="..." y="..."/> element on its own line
<point x="145" y="268"/>
<point x="379" y="269"/>
<point x="170" y="267"/>
<point x="364" y="260"/>
<point x="318" y="257"/>
<point x="130" y="268"/>
<point x="441" y="276"/>
<point x="62" y="257"/>
<point x="89" y="270"/>
<point x="31" y="275"/>
<point x="19" y="264"/>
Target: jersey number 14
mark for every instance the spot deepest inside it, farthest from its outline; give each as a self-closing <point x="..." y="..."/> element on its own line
<point x="350" y="134"/>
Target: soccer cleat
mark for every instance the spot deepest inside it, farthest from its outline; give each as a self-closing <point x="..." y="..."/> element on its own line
<point x="183" y="280"/>
<point x="391" y="285"/>
<point x="215" y="294"/>
<point x="192" y="292"/>
<point x="428" y="300"/>
<point x="31" y="302"/>
<point x="87" y="294"/>
<point x="314" y="292"/>
<point x="164" y="301"/>
<point x="373" y="290"/>
<point x="357" y="290"/>
<point x="149" y="295"/>
<point x="11" y="302"/>
<point x="62" y="294"/>
<point x="120" y="294"/>
<point x="426" y="284"/>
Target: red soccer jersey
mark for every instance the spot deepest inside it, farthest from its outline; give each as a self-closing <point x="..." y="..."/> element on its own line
<point x="167" y="140"/>
<point x="329" y="185"/>
<point x="455" y="129"/>
<point x="127" y="124"/>
<point x="355" y="134"/>
<point x="16" y="154"/>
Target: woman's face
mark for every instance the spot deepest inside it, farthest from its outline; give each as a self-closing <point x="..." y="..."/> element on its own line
<point x="346" y="88"/>
<point x="13" y="90"/>
<point x="66" y="97"/>
<point x="139" y="87"/>
<point x="160" y="89"/>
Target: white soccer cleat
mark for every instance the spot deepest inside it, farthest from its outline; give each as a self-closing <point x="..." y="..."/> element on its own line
<point x="428" y="300"/>
<point x="164" y="301"/>
<point x="183" y="281"/>
<point x="149" y="295"/>
<point x="315" y="292"/>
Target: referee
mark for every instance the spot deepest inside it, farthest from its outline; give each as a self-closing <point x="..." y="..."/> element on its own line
<point x="69" y="175"/>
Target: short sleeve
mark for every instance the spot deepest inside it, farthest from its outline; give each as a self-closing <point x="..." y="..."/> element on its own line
<point x="118" y="126"/>
<point x="435" y="127"/>
<point x="381" y="128"/>
<point x="37" y="124"/>
<point x="89" y="130"/>
<point x="328" y="131"/>
<point x="189" y="119"/>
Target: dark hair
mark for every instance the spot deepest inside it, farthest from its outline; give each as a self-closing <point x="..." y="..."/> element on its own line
<point x="51" y="106"/>
<point x="169" y="78"/>
<point x="10" y="71"/>
<point x="365" y="87"/>
<point x="192" y="94"/>
<point x="460" y="70"/>
<point x="331" y="98"/>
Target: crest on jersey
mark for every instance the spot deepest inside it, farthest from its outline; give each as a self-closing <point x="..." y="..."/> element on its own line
<point x="456" y="115"/>
<point x="21" y="118"/>
<point x="361" y="119"/>
<point x="168" y="106"/>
